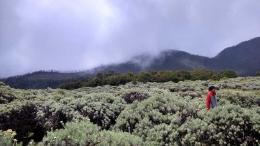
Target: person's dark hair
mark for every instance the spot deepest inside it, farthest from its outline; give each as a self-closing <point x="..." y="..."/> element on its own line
<point x="211" y="88"/>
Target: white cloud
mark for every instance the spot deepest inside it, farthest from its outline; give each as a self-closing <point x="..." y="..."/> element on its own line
<point x="69" y="35"/>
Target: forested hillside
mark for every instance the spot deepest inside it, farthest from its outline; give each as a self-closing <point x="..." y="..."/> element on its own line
<point x="44" y="79"/>
<point x="242" y="58"/>
<point x="133" y="114"/>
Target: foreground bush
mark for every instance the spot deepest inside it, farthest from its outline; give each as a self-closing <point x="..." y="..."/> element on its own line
<point x="20" y="118"/>
<point x="151" y="114"/>
<point x="34" y="113"/>
<point x="86" y="133"/>
<point x="101" y="108"/>
<point x="229" y="124"/>
<point x="7" y="138"/>
<point x="173" y="120"/>
<point x="158" y="118"/>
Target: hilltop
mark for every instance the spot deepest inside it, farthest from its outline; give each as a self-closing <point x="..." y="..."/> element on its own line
<point x="242" y="58"/>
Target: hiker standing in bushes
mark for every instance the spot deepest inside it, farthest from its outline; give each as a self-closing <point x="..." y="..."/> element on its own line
<point x="211" y="101"/>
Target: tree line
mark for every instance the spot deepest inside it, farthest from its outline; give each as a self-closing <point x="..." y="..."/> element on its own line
<point x="114" y="79"/>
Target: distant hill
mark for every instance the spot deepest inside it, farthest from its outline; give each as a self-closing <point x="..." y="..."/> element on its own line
<point x="177" y="60"/>
<point x="166" y="60"/>
<point x="243" y="58"/>
<point x="44" y="79"/>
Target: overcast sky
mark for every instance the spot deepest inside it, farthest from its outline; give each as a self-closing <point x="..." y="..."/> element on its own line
<point x="77" y="35"/>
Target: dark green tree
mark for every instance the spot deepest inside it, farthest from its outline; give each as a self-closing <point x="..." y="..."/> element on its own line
<point x="258" y="74"/>
<point x="228" y="74"/>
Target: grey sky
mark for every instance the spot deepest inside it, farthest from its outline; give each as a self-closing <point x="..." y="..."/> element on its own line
<point x="76" y="35"/>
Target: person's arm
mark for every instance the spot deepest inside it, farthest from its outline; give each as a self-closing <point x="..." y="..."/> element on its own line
<point x="208" y="101"/>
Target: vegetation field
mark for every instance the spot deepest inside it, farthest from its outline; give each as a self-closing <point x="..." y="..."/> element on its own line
<point x="133" y="114"/>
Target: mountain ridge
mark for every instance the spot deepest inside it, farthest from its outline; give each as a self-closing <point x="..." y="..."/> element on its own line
<point x="242" y="58"/>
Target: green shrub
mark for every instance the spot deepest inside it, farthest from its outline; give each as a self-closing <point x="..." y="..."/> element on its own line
<point x="49" y="115"/>
<point x="74" y="133"/>
<point x="157" y="118"/>
<point x="86" y="133"/>
<point x="101" y="108"/>
<point x="171" y="114"/>
<point x="258" y="74"/>
<point x="228" y="73"/>
<point x="229" y="124"/>
<point x="173" y="120"/>
<point x="203" y="74"/>
<point x="20" y="118"/>
<point x="132" y="96"/>
<point x="7" y="138"/>
<point x="6" y="96"/>
<point x="245" y="99"/>
<point x="2" y="84"/>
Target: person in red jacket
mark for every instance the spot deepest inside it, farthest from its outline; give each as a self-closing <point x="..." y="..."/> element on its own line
<point x="211" y="101"/>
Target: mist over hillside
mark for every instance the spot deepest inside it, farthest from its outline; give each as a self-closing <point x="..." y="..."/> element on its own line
<point x="242" y="58"/>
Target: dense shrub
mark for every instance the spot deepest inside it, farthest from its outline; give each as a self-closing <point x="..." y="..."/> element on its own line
<point x="49" y="115"/>
<point x="86" y="133"/>
<point x="74" y="133"/>
<point x="132" y="96"/>
<point x="229" y="124"/>
<point x="172" y="113"/>
<point x="168" y="119"/>
<point x="257" y="74"/>
<point x="33" y="113"/>
<point x="204" y="75"/>
<point x="155" y="114"/>
<point x="4" y="99"/>
<point x="228" y="74"/>
<point x="20" y="118"/>
<point x="101" y="108"/>
<point x="243" y="98"/>
<point x="7" y="138"/>
<point x="6" y="95"/>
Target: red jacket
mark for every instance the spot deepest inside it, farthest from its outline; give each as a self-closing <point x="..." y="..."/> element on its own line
<point x="209" y="95"/>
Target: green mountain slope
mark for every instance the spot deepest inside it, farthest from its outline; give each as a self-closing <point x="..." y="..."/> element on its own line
<point x="44" y="79"/>
<point x="243" y="58"/>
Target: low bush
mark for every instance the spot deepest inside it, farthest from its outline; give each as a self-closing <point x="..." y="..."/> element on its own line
<point x="245" y="99"/>
<point x="86" y="133"/>
<point x="101" y="108"/>
<point x="134" y="114"/>
<point x="132" y="96"/>
<point x="20" y="118"/>
<point x="7" y="138"/>
<point x="173" y="120"/>
<point x="161" y="114"/>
